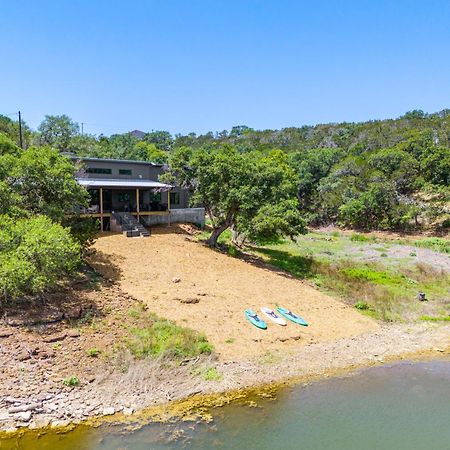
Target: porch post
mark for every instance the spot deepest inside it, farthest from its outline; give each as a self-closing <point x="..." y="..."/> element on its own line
<point x="168" y="207"/>
<point x="137" y="203"/>
<point x="101" y="209"/>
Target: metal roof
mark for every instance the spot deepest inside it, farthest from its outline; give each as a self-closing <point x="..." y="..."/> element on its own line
<point x="123" y="183"/>
<point x="123" y="161"/>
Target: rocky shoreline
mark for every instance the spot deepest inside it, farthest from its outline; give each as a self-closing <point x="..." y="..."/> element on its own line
<point x="147" y="383"/>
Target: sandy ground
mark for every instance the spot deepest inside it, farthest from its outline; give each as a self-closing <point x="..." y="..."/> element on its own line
<point x="222" y="287"/>
<point x="35" y="356"/>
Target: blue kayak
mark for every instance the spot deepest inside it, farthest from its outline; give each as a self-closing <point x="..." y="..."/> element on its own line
<point x="292" y="317"/>
<point x="253" y="318"/>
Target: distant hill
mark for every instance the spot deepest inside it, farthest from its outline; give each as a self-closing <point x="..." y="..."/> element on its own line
<point x="137" y="134"/>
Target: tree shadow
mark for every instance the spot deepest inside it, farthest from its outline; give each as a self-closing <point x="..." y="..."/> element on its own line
<point x="72" y="301"/>
<point x="105" y="266"/>
<point x="283" y="263"/>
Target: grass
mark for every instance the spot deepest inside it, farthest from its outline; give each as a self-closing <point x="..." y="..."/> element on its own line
<point x="208" y="374"/>
<point x="93" y="352"/>
<point x="385" y="289"/>
<point x="436" y="244"/>
<point x="71" y="381"/>
<point x="156" y="337"/>
<point x="436" y="318"/>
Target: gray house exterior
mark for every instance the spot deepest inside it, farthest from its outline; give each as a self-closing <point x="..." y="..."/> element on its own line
<point x="133" y="188"/>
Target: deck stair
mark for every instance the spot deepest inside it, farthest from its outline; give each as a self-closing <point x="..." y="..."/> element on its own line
<point x="130" y="226"/>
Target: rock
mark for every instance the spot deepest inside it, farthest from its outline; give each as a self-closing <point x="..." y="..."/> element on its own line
<point x="55" y="338"/>
<point x="73" y="313"/>
<point x="46" y="354"/>
<point x="5" y="333"/>
<point x="108" y="411"/>
<point x="24" y="408"/>
<point x="176" y="280"/>
<point x="11" y="400"/>
<point x="73" y="333"/>
<point x="24" y="416"/>
<point x="128" y="411"/>
<point x="23" y="356"/>
<point x="190" y="300"/>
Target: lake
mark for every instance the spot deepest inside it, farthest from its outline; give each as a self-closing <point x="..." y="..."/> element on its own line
<point x="399" y="406"/>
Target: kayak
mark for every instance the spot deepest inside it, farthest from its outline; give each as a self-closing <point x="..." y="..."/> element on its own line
<point x="253" y="318"/>
<point x="292" y="317"/>
<point x="270" y="313"/>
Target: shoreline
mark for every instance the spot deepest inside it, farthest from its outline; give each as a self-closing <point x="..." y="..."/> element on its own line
<point x="241" y="381"/>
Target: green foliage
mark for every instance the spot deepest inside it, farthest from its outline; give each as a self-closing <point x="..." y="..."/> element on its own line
<point x="435" y="163"/>
<point x="45" y="180"/>
<point x="93" y="352"/>
<point x="71" y="381"/>
<point x="163" y="338"/>
<point x="209" y="374"/>
<point x="377" y="207"/>
<point x="367" y="273"/>
<point x="7" y="146"/>
<point x="34" y="255"/>
<point x="436" y="244"/>
<point x="251" y="192"/>
<point x="57" y="131"/>
<point x="149" y="152"/>
<point x="435" y="318"/>
<point x="362" y="306"/>
<point x="355" y="237"/>
<point x="84" y="230"/>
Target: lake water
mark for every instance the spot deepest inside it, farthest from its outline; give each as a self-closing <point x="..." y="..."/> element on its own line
<point x="402" y="406"/>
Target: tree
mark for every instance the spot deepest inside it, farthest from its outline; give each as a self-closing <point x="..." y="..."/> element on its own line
<point x="57" y="131"/>
<point x="435" y="163"/>
<point x="397" y="165"/>
<point x="45" y="182"/>
<point x="245" y="192"/>
<point x="150" y="152"/>
<point x="7" y="146"/>
<point x="163" y="140"/>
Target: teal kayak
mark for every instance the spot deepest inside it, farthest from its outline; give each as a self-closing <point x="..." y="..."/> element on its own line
<point x="253" y="318"/>
<point x="292" y="317"/>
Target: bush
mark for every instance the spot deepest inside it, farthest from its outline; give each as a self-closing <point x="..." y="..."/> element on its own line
<point x="35" y="254"/>
<point x="71" y="381"/>
<point x="93" y="352"/>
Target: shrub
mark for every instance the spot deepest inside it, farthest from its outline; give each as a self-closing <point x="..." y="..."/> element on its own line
<point x="362" y="305"/>
<point x="71" y="381"/>
<point x="35" y="254"/>
<point x="93" y="352"/>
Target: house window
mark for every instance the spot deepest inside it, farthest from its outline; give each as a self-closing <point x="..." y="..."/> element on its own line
<point x="175" y="198"/>
<point x="98" y="170"/>
<point x="125" y="172"/>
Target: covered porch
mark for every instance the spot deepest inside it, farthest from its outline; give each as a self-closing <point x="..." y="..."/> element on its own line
<point x="136" y="197"/>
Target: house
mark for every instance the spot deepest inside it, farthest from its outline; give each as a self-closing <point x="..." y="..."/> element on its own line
<point x="128" y="192"/>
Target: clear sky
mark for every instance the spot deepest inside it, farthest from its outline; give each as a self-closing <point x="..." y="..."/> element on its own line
<point x="200" y="65"/>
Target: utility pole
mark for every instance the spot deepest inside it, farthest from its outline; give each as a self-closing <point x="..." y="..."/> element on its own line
<point x="20" y="131"/>
<point x="82" y="126"/>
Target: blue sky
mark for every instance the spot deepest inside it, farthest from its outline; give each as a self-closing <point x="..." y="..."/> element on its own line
<point x="191" y="65"/>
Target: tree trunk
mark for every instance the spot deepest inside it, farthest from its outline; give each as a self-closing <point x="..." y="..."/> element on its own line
<point x="212" y="241"/>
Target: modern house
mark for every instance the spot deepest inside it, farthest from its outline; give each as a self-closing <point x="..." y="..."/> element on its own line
<point x="127" y="192"/>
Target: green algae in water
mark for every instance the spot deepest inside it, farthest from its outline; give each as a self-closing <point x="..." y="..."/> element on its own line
<point x="401" y="406"/>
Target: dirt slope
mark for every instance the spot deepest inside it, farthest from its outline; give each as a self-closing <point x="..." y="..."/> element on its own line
<point x="223" y="288"/>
